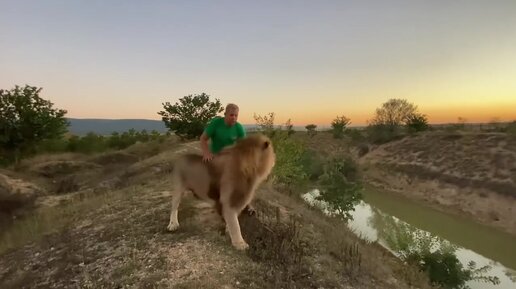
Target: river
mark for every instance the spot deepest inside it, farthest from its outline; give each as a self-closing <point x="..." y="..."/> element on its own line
<point x="381" y="216"/>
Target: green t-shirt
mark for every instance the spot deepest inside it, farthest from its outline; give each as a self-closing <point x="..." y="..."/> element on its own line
<point x="222" y="135"/>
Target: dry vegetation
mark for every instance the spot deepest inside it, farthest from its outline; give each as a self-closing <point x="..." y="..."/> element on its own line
<point x="100" y="223"/>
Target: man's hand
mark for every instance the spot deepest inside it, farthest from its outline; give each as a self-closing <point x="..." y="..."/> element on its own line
<point x="207" y="156"/>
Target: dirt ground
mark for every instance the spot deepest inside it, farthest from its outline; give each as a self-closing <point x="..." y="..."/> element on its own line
<point x="113" y="235"/>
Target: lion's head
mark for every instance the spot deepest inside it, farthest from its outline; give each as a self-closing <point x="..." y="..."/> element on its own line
<point x="254" y="155"/>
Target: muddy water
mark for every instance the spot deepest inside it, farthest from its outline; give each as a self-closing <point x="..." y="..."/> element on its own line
<point x="381" y="215"/>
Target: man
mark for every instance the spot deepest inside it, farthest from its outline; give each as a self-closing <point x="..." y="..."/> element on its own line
<point x="222" y="131"/>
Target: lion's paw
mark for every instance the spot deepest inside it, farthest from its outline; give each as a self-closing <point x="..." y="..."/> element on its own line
<point x="172" y="226"/>
<point x="250" y="210"/>
<point x="241" y="245"/>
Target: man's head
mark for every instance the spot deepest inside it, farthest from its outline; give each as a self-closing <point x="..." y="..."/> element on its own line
<point x="231" y="114"/>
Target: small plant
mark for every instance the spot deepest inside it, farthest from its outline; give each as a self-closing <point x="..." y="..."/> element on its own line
<point x="338" y="125"/>
<point x="351" y="258"/>
<point x="311" y="130"/>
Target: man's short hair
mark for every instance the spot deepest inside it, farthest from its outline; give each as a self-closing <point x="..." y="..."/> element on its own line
<point x="231" y="107"/>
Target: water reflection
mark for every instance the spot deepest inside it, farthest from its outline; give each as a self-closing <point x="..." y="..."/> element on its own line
<point x="449" y="263"/>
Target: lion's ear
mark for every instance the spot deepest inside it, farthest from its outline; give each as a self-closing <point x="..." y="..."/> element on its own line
<point x="266" y="145"/>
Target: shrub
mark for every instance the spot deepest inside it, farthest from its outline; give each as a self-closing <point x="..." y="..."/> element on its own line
<point x="340" y="187"/>
<point x="289" y="169"/>
<point x="338" y="125"/>
<point x="380" y="134"/>
<point x="416" y="123"/>
<point x="311" y="130"/>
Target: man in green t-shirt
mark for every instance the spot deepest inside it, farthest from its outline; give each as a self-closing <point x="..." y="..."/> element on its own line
<point x="222" y="131"/>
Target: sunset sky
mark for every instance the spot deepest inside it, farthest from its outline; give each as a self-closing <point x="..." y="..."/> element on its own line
<point x="305" y="60"/>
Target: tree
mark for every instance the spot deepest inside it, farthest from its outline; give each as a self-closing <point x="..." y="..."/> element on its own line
<point x="338" y="126"/>
<point x="394" y="112"/>
<point x="188" y="117"/>
<point x="311" y="129"/>
<point x="26" y="120"/>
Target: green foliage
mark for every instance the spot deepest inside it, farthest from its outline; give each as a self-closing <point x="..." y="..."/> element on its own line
<point x="380" y="133"/>
<point x="338" y="125"/>
<point x="511" y="128"/>
<point x="311" y="129"/>
<point x="429" y="253"/>
<point x="340" y="187"/>
<point x="26" y="120"/>
<point x="416" y="123"/>
<point x="355" y="135"/>
<point x="313" y="164"/>
<point x="94" y="143"/>
<point x="189" y="116"/>
<point x="289" y="169"/>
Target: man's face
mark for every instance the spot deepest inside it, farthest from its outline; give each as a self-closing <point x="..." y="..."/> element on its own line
<point x="231" y="116"/>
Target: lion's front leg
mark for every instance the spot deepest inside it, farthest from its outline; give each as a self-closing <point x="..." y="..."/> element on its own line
<point x="176" y="199"/>
<point x="233" y="227"/>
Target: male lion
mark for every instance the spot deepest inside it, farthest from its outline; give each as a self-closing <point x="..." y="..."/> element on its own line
<point x="229" y="180"/>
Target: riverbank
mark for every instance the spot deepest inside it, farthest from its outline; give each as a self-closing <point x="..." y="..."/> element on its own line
<point x="472" y="175"/>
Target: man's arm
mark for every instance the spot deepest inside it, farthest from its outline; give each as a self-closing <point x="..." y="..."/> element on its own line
<point x="207" y="155"/>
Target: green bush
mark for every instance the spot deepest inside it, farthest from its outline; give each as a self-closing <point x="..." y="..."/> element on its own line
<point x="289" y="169"/>
<point x="381" y="133"/>
<point x="313" y="164"/>
<point x="339" y="186"/>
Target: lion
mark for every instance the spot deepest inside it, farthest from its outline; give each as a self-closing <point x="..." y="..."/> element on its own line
<point x="229" y="180"/>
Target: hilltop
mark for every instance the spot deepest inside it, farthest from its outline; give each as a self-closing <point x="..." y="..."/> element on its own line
<point x="99" y="220"/>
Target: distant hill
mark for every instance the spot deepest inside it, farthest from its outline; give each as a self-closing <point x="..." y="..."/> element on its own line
<point x="107" y="126"/>
<point x="82" y="126"/>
